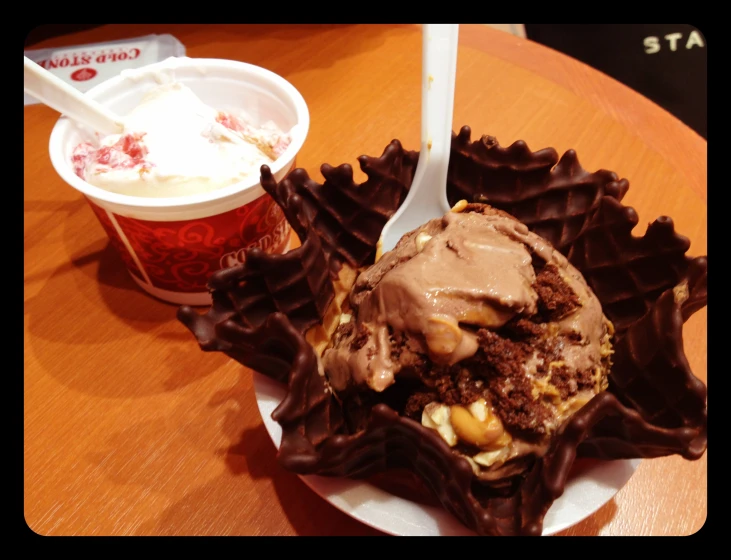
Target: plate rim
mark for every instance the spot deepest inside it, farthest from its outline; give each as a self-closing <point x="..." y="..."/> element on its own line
<point x="268" y="393"/>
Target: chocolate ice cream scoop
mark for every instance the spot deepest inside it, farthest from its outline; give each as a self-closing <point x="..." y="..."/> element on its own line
<point x="498" y="335"/>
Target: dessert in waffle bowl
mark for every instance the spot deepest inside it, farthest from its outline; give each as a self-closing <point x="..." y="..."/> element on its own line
<point x="489" y="349"/>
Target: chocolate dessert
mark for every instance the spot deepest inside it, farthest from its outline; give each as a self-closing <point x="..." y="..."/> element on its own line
<point x="476" y="328"/>
<point x="543" y="393"/>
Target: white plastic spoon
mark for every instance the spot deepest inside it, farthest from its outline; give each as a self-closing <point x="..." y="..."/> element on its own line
<point x="427" y="196"/>
<point x="57" y="94"/>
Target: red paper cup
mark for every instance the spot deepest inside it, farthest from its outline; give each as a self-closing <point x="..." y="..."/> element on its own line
<point x="172" y="245"/>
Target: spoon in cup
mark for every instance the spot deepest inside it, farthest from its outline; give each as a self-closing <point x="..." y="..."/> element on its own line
<point x="57" y="94"/>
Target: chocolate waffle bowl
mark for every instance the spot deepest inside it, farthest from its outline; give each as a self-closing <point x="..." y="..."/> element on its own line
<point x="276" y="313"/>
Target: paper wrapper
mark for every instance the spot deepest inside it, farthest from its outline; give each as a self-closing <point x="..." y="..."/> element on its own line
<point x="648" y="287"/>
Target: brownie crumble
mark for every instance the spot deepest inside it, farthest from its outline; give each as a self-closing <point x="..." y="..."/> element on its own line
<point x="343" y="330"/>
<point x="523" y="328"/>
<point x="416" y="403"/>
<point x="511" y="391"/>
<point x="454" y="385"/>
<point x="573" y="336"/>
<point x="514" y="403"/>
<point x="562" y="379"/>
<point x="360" y="338"/>
<point x="503" y="355"/>
<point x="569" y="383"/>
<point x="555" y="298"/>
<point x="397" y="340"/>
<point x="549" y="350"/>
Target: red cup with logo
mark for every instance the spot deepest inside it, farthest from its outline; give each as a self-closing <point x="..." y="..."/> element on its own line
<point x="171" y="245"/>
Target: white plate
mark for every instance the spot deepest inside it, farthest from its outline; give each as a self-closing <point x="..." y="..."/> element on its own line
<point x="584" y="494"/>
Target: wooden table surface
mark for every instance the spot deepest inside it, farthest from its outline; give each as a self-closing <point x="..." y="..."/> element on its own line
<point x="130" y="429"/>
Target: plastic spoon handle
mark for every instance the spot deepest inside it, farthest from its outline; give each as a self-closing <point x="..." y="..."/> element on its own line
<point x="68" y="101"/>
<point x="427" y="196"/>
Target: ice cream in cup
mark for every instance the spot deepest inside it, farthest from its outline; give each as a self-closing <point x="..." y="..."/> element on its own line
<point x="178" y="192"/>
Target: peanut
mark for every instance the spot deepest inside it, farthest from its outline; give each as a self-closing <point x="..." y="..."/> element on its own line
<point x="680" y="292"/>
<point x="436" y="416"/>
<point x="443" y="335"/>
<point x="486" y="434"/>
<point x="379" y="250"/>
<point x="459" y="206"/>
<point x="421" y="240"/>
<point x="485" y="316"/>
<point x="489" y="458"/>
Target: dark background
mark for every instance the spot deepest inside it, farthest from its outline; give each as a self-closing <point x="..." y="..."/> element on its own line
<point x="48" y="30"/>
<point x="675" y="80"/>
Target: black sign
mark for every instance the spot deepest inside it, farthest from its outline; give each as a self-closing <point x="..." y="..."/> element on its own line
<point x="667" y="63"/>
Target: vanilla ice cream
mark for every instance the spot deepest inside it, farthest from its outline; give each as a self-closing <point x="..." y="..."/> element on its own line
<point x="173" y="144"/>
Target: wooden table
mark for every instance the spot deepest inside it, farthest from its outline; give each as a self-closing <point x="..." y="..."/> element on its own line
<point x="131" y="430"/>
